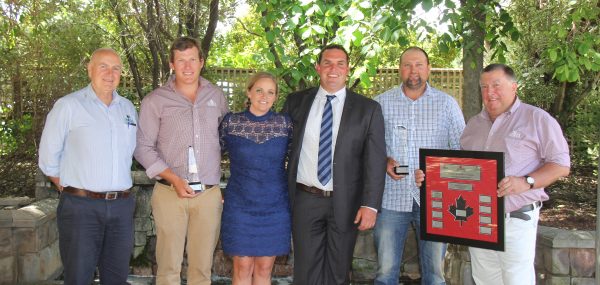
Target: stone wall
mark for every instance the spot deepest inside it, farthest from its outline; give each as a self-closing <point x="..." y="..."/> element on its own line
<point x="28" y="241"/>
<point x="29" y="246"/>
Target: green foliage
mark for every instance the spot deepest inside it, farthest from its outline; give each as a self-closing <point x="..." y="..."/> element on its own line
<point x="573" y="50"/>
<point x="557" y="58"/>
<point x="15" y="134"/>
<point x="499" y="26"/>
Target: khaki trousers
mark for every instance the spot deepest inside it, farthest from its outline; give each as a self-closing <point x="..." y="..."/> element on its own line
<point x="176" y="219"/>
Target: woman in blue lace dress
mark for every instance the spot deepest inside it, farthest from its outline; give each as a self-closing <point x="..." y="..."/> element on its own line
<point x="255" y="226"/>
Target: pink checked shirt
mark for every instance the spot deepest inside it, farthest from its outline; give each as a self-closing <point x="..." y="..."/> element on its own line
<point x="529" y="138"/>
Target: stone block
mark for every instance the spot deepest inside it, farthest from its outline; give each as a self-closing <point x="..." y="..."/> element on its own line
<point x="363" y="270"/>
<point x="365" y="246"/>
<point x="52" y="231"/>
<point x="557" y="280"/>
<point x="35" y="214"/>
<point x="137" y="250"/>
<point x="43" y="234"/>
<point x="6" y="242"/>
<point x="8" y="270"/>
<point x="142" y="224"/>
<point x="556" y="261"/>
<point x="15" y="201"/>
<point x="26" y="240"/>
<point x="560" y="238"/>
<point x="583" y="262"/>
<point x="143" y="196"/>
<point x="583" y="281"/>
<point x="140" y="178"/>
<point x="140" y="238"/>
<point x="6" y="218"/>
<point x="40" y="266"/>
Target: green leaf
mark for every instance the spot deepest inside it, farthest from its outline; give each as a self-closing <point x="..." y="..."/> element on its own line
<point x="427" y="5"/>
<point x="306" y="34"/>
<point x="583" y="48"/>
<point x="450" y="4"/>
<point x="358" y="37"/>
<point x="355" y="14"/>
<point x="318" y="29"/>
<point x="552" y="54"/>
<point x="365" y="4"/>
<point x="515" y="35"/>
<point x="270" y="36"/>
<point x="365" y="79"/>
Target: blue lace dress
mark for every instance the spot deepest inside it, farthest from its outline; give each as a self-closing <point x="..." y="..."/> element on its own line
<point x="256" y="212"/>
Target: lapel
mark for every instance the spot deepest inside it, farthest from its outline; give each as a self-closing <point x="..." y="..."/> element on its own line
<point x="345" y="122"/>
<point x="305" y="105"/>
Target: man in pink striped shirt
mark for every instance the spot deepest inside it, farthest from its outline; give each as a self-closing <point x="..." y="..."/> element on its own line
<point x="536" y="155"/>
<point x="178" y="144"/>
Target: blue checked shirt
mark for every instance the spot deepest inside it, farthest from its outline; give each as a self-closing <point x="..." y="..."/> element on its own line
<point x="87" y="144"/>
<point x="434" y="120"/>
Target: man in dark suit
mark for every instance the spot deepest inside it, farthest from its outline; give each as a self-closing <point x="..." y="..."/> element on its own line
<point x="336" y="171"/>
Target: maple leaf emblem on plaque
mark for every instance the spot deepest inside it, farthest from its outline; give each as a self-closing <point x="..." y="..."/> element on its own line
<point x="460" y="210"/>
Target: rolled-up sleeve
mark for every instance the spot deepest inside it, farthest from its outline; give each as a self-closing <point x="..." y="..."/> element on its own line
<point x="146" y="152"/>
<point x="554" y="147"/>
<point x="53" y="138"/>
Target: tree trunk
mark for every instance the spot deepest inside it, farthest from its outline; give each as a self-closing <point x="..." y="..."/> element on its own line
<point x="213" y="19"/>
<point x="191" y="18"/>
<point x="128" y="51"/>
<point x="17" y="112"/>
<point x="473" y="48"/>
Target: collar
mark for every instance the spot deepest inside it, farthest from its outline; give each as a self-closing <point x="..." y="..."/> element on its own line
<point x="340" y="94"/>
<point x="425" y="93"/>
<point x="510" y="110"/>
<point x="91" y="95"/>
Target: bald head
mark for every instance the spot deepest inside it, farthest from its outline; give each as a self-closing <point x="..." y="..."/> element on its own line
<point x="104" y="70"/>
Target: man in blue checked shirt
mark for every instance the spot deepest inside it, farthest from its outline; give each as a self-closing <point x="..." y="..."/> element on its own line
<point x="416" y="116"/>
<point x="86" y="150"/>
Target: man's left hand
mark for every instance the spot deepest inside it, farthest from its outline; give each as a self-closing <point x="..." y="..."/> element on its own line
<point x="366" y="217"/>
<point x="511" y="185"/>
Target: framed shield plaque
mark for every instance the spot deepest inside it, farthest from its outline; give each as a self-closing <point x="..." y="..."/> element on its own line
<point x="459" y="201"/>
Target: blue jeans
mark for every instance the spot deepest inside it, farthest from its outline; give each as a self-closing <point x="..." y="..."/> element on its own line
<point x="390" y="234"/>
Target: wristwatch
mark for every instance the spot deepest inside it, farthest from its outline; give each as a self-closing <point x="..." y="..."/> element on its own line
<point x="529" y="181"/>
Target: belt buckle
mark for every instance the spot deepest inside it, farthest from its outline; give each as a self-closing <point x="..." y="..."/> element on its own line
<point x="326" y="194"/>
<point x="111" y="195"/>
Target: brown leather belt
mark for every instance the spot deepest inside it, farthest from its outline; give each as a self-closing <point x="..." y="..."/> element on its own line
<point x="314" y="190"/>
<point x="520" y="213"/>
<point x="113" y="195"/>
<point x="201" y="187"/>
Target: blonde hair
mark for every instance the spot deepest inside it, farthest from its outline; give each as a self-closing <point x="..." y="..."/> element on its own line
<point x="260" y="75"/>
<point x="256" y="77"/>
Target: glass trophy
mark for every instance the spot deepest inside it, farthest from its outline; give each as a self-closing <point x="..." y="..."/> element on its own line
<point x="400" y="150"/>
<point x="193" y="172"/>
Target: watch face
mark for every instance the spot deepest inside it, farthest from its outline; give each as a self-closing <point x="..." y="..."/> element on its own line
<point x="530" y="180"/>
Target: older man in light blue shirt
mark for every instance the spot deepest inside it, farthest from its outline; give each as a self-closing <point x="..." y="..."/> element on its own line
<point x="416" y="116"/>
<point x="86" y="150"/>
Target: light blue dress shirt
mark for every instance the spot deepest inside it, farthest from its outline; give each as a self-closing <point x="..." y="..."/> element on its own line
<point x="87" y="144"/>
<point x="434" y="120"/>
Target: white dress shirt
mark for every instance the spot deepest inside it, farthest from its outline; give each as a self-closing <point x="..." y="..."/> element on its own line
<point x="309" y="154"/>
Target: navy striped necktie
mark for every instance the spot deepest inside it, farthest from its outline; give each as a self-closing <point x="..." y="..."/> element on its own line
<point x="325" y="139"/>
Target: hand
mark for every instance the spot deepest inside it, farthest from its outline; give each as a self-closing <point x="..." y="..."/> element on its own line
<point x="183" y="190"/>
<point x="391" y="163"/>
<point x="419" y="177"/>
<point x="56" y="181"/>
<point x="366" y="217"/>
<point x="511" y="185"/>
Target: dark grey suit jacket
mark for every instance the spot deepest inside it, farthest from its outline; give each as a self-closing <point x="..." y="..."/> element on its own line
<point x="359" y="161"/>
